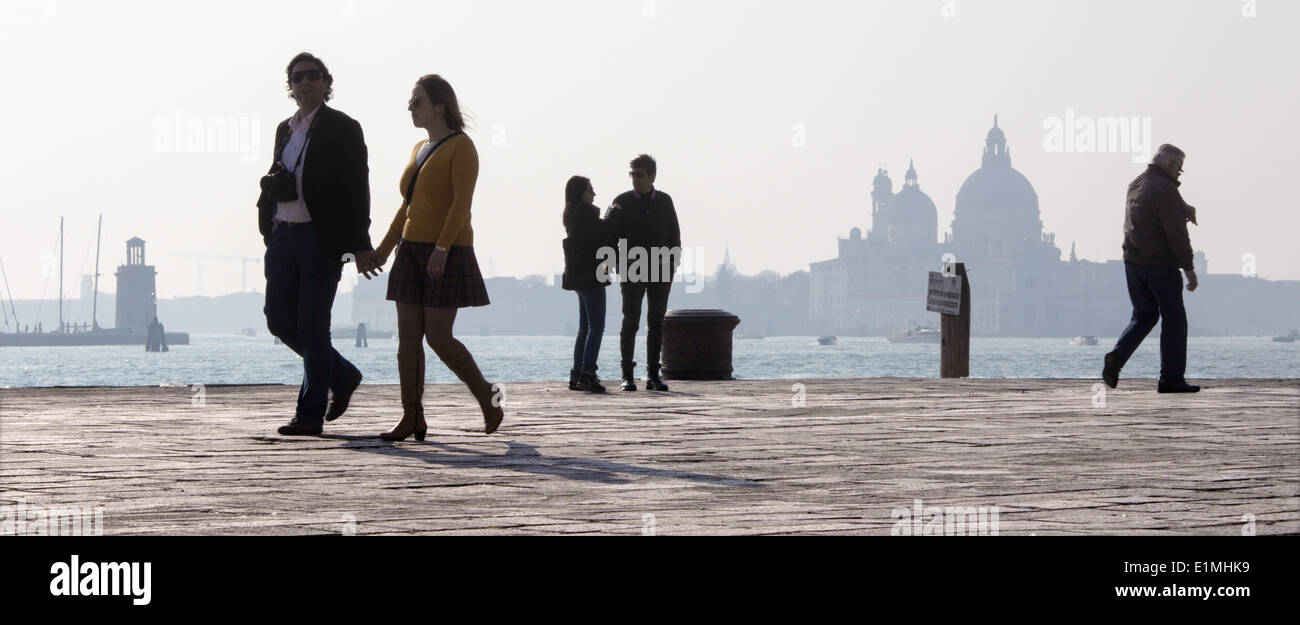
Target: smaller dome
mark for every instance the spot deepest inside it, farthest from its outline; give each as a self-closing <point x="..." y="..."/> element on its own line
<point x="914" y="206"/>
<point x="855" y="234"/>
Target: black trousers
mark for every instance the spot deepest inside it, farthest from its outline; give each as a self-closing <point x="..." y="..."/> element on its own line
<point x="301" y="280"/>
<point x="657" y="294"/>
<point x="1157" y="295"/>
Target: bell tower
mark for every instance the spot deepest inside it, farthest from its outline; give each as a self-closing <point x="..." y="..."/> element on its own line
<point x="137" y="303"/>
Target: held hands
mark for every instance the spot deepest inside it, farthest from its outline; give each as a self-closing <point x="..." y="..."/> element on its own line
<point x="370" y="263"/>
<point x="437" y="263"/>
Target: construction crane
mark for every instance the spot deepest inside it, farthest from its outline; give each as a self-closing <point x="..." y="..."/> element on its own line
<point x="243" y="273"/>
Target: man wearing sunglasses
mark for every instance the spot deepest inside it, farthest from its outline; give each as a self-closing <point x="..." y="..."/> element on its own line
<point x="645" y="221"/>
<point x="1156" y="246"/>
<point x="314" y="212"/>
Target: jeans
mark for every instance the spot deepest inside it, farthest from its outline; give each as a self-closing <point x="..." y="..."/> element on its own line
<point x="301" y="280"/>
<point x="656" y="293"/>
<point x="591" y="329"/>
<point x="1157" y="294"/>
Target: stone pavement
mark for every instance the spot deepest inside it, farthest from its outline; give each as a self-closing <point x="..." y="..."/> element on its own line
<point x="844" y="456"/>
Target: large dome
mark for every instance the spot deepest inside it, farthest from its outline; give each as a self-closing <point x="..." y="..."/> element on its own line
<point x="997" y="192"/>
<point x="996" y="201"/>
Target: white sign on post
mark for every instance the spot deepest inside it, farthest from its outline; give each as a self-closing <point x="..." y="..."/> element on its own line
<point x="944" y="294"/>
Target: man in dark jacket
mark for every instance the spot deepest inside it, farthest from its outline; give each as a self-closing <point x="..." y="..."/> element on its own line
<point x="309" y="230"/>
<point x="1156" y="246"/>
<point x="644" y="222"/>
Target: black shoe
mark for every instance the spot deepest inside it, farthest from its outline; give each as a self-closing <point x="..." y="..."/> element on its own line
<point x="301" y="428"/>
<point x="590" y="383"/>
<point x="1182" y="387"/>
<point x="573" y="383"/>
<point x="653" y="383"/>
<point x="629" y="377"/>
<point x="1109" y="372"/>
<point x="339" y="402"/>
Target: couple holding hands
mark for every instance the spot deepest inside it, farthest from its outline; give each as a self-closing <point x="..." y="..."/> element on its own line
<point x="314" y="215"/>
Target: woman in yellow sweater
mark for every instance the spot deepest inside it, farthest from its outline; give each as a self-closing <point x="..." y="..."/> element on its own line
<point x="435" y="272"/>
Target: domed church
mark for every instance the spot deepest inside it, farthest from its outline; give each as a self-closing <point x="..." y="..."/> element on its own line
<point x="997" y="208"/>
<point x="878" y="283"/>
<point x="1020" y="286"/>
<point x="875" y="280"/>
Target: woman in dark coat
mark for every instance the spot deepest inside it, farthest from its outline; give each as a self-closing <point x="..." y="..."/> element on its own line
<point x="585" y="275"/>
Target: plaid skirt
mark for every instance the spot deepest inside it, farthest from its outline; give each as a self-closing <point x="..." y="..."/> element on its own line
<point x="460" y="286"/>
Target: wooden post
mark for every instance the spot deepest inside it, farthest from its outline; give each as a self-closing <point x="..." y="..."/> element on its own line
<point x="954" y="355"/>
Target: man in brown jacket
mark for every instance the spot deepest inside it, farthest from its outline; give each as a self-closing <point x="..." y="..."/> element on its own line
<point x="1156" y="246"/>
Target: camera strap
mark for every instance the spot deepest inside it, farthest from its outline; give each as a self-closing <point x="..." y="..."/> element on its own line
<point x="410" y="187"/>
<point x="298" y="163"/>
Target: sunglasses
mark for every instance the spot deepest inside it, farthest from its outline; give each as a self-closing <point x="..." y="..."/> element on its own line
<point x="312" y="74"/>
<point x="637" y="174"/>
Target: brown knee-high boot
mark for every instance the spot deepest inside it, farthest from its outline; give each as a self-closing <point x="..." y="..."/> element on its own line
<point x="410" y="372"/>
<point x="461" y="362"/>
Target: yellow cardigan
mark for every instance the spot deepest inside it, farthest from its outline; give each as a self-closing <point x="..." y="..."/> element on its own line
<point x="439" y="208"/>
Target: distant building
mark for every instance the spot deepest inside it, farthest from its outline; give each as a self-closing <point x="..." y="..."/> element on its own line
<point x="137" y="300"/>
<point x="1020" y="286"/>
<point x="878" y="282"/>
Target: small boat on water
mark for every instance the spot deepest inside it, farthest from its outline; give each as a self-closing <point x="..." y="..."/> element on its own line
<point x="249" y="332"/>
<point x="827" y="339"/>
<point x="1289" y="337"/>
<point x="914" y="335"/>
<point x="1083" y="340"/>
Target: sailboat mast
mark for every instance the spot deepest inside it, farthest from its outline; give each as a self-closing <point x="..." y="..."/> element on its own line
<point x="10" y="294"/>
<point x="60" y="275"/>
<point x="94" y="307"/>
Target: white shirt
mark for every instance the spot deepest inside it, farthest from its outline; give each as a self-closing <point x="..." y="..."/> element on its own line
<point x="295" y="211"/>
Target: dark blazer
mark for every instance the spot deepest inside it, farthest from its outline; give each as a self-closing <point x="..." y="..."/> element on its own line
<point x="646" y="222"/>
<point x="335" y="186"/>
<point x="587" y="234"/>
<point x="1155" y="222"/>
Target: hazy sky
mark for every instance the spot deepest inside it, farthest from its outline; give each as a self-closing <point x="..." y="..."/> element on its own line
<point x="768" y="118"/>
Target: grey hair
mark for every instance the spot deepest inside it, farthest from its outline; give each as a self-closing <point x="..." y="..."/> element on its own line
<point x="1167" y="152"/>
